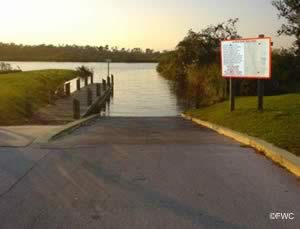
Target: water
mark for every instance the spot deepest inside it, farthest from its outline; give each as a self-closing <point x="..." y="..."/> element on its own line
<point x="139" y="90"/>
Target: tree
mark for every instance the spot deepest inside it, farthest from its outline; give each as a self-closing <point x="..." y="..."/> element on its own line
<point x="4" y="67"/>
<point x="203" y="47"/>
<point x="290" y="10"/>
<point x="136" y="50"/>
<point x="7" y="68"/>
<point x="84" y="71"/>
<point x="194" y="65"/>
<point x="149" y="51"/>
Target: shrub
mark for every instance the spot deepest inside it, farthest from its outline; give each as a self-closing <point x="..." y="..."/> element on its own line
<point x="84" y="71"/>
<point x="7" y="68"/>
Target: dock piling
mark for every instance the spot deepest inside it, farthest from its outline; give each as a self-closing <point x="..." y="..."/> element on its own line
<point x="112" y="79"/>
<point x="104" y="84"/>
<point x="68" y="89"/>
<point x="89" y="97"/>
<point x="98" y="89"/>
<point x="76" y="109"/>
<point x="92" y="79"/>
<point x="108" y="81"/>
<point x="78" y="85"/>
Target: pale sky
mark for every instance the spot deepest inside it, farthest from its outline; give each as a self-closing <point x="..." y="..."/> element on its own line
<point x="157" y="24"/>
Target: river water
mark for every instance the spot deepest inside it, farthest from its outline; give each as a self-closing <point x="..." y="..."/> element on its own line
<point x="138" y="91"/>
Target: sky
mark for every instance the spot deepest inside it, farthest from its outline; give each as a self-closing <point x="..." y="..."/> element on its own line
<point x="156" y="24"/>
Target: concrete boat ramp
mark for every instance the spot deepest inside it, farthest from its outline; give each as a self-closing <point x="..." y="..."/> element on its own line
<point x="139" y="173"/>
<point x="21" y="136"/>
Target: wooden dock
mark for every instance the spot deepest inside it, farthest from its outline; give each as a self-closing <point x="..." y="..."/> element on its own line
<point x="63" y="110"/>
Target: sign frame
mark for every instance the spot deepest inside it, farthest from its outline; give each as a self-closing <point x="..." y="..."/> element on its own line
<point x="249" y="77"/>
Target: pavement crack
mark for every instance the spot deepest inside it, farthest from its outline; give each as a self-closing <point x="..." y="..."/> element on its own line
<point x="22" y="177"/>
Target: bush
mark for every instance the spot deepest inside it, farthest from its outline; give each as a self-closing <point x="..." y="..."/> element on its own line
<point x="195" y="65"/>
<point x="84" y="71"/>
<point x="285" y="73"/>
<point x="7" y="68"/>
<point x="206" y="84"/>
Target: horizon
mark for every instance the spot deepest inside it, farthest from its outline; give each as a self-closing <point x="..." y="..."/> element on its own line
<point x="131" y="23"/>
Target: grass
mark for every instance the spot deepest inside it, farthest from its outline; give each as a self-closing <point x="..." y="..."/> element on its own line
<point x="278" y="124"/>
<point x="24" y="92"/>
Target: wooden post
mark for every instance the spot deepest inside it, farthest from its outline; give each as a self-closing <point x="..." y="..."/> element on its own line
<point x="112" y="79"/>
<point x="76" y="109"/>
<point x="92" y="79"/>
<point x="260" y="94"/>
<point x="86" y="82"/>
<point x="98" y="89"/>
<point x="104" y="84"/>
<point x="68" y="89"/>
<point x="260" y="89"/>
<point x="112" y="93"/>
<point x="78" y="84"/>
<point x="232" y="94"/>
<point x="108" y="81"/>
<point x="108" y="66"/>
<point x="89" y="97"/>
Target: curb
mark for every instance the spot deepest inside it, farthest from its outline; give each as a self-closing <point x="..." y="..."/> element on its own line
<point x="284" y="158"/>
<point x="64" y="130"/>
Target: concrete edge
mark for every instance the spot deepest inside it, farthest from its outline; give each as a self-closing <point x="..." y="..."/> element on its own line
<point x="64" y="129"/>
<point x="284" y="158"/>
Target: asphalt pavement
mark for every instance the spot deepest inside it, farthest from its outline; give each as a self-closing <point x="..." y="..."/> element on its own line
<point x="135" y="173"/>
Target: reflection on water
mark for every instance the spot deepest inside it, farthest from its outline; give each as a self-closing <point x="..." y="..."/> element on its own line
<point x="139" y="90"/>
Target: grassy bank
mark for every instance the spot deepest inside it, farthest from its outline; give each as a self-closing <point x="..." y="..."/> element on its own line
<point x="24" y="92"/>
<point x="278" y="124"/>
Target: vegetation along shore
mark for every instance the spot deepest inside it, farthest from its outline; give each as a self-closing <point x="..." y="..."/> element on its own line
<point x="278" y="124"/>
<point x="75" y="53"/>
<point x="194" y="70"/>
<point x="21" y="93"/>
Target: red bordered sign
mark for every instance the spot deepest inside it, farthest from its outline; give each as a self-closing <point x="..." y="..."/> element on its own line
<point x="247" y="58"/>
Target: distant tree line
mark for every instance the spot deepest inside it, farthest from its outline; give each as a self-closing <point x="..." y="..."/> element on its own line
<point x="74" y="53"/>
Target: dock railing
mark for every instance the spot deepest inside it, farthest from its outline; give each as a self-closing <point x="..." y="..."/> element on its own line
<point x="96" y="94"/>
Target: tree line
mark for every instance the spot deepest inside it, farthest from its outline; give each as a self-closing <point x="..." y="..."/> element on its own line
<point x="74" y="53"/>
<point x="194" y="66"/>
